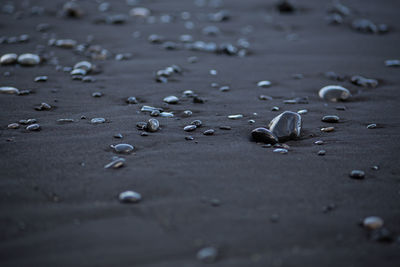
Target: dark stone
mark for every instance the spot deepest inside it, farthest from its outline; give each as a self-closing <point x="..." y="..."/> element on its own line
<point x="286" y="126"/>
<point x="357" y="174"/>
<point x="153" y="125"/>
<point x="123" y="148"/>
<point x="198" y="123"/>
<point x="264" y="135"/>
<point x="330" y="118"/>
<point x="209" y="132"/>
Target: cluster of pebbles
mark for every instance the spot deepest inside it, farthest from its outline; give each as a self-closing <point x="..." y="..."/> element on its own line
<point x="287" y="126"/>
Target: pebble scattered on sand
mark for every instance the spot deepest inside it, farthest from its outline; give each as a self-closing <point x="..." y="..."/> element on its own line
<point x="373" y="222"/>
<point x="235" y="117"/>
<point x="264" y="84"/>
<point x="330" y="118"/>
<point x="327" y="129"/>
<point x="8" y="59"/>
<point x="9" y="90"/>
<point x="97" y="120"/>
<point x="189" y="128"/>
<point x="286" y="126"/>
<point x="334" y="93"/>
<point x="13" y="126"/>
<point x="122" y="148"/>
<point x="153" y="125"/>
<point x="116" y="163"/>
<point x="209" y="132"/>
<point x="280" y="150"/>
<point x="171" y="99"/>
<point x="33" y="127"/>
<point x="130" y="197"/>
<point x="207" y="254"/>
<point x="357" y="174"/>
<point x="364" y="82"/>
<point x="28" y="59"/>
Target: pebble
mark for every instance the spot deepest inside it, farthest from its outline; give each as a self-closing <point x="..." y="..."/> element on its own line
<point x="375" y="167"/>
<point x="224" y="88"/>
<point x="13" y="126"/>
<point x="264" y="135"/>
<point x="373" y="222"/>
<point x="264" y="84"/>
<point x="275" y="108"/>
<point x="8" y="59"/>
<point x="43" y="106"/>
<point x="9" y="90"/>
<point x="371" y="126"/>
<point x="392" y="63"/>
<point x="131" y="100"/>
<point x="224" y="127"/>
<point x="41" y="79"/>
<point x="357" y="174"/>
<point x="149" y="109"/>
<point x="130" y="197"/>
<point x="365" y="82"/>
<point x="198" y="100"/>
<point x="367" y="26"/>
<point x="189" y="128"/>
<point x="155" y="113"/>
<point x="97" y="120"/>
<point x="153" y="125"/>
<point x="235" y="117"/>
<point x="66" y="43"/>
<point x="189" y="138"/>
<point x="72" y="9"/>
<point x="140" y="12"/>
<point x="286" y="126"/>
<point x="198" y="123"/>
<point x="334" y="93"/>
<point x="280" y="150"/>
<point x="28" y="59"/>
<point x="122" y="148"/>
<point x="321" y="153"/>
<point x="207" y="254"/>
<point x="264" y="97"/>
<point x="78" y="72"/>
<point x="166" y="114"/>
<point x="33" y="127"/>
<point x="115" y="163"/>
<point x="187" y="113"/>
<point x="327" y="129"/>
<point x="330" y="118"/>
<point x="319" y="142"/>
<point x="209" y="132"/>
<point x="171" y="99"/>
<point x="84" y="65"/>
<point x="65" y="120"/>
<point x="302" y="111"/>
<point x="97" y="94"/>
<point x="28" y="121"/>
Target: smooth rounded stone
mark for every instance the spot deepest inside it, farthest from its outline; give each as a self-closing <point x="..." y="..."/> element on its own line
<point x="97" y="94"/>
<point x="41" y="79"/>
<point x="43" y="106"/>
<point x="327" y="129"/>
<point x="188" y="93"/>
<point x="264" y="97"/>
<point x="357" y="174"/>
<point x="375" y="168"/>
<point x="275" y="108"/>
<point x="285" y="146"/>
<point x="198" y="100"/>
<point x="321" y="152"/>
<point x="330" y="118"/>
<point x="372" y="126"/>
<point x="280" y="150"/>
<point x="166" y="114"/>
<point x="66" y="43"/>
<point x="115" y="163"/>
<point x="373" y="222"/>
<point x="392" y="63"/>
<point x="155" y="39"/>
<point x="189" y="128"/>
<point x="116" y="19"/>
<point x="33" y="127"/>
<point x="140" y="12"/>
<point x="319" y="142"/>
<point x="149" y="109"/>
<point x="130" y="197"/>
<point x="28" y="121"/>
<point x="235" y="117"/>
<point x="84" y="65"/>
<point x="209" y="132"/>
<point x="78" y="72"/>
<point x="286" y="126"/>
<point x="264" y="135"/>
<point x="9" y="90"/>
<point x="132" y="100"/>
<point x="97" y="120"/>
<point x="224" y="88"/>
<point x="122" y="148"/>
<point x="264" y="84"/>
<point x="13" y="126"/>
<point x="72" y="9"/>
<point x="198" y="123"/>
<point x="225" y="127"/>
<point x="65" y="120"/>
<point x="153" y="125"/>
<point x="171" y="99"/>
<point x="340" y="108"/>
<point x="155" y="113"/>
<point x="207" y="254"/>
<point x="364" y="82"/>
<point x="8" y="59"/>
<point x="187" y="113"/>
<point x="302" y="111"/>
<point x="189" y="138"/>
<point x="334" y="93"/>
<point x="28" y="59"/>
<point x="251" y="121"/>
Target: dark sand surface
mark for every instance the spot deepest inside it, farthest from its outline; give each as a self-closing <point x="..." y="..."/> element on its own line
<point x="88" y="226"/>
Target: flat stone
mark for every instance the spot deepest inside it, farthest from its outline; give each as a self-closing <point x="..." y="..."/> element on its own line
<point x="189" y="128"/>
<point x="235" y="117"/>
<point x="334" y="93"/>
<point x="166" y="114"/>
<point x="9" y="90"/>
<point x="8" y="59"/>
<point x="153" y="125"/>
<point x="66" y="43"/>
<point x="207" y="254"/>
<point x="171" y="99"/>
<point x="280" y="150"/>
<point x="357" y="174"/>
<point x="97" y="120"/>
<point x="302" y="111"/>
<point x="198" y="123"/>
<point x="33" y="127"/>
<point x="122" y="148"/>
<point x="115" y="164"/>
<point x="13" y="126"/>
<point x="28" y="59"/>
<point x="130" y="197"/>
<point x="373" y="222"/>
<point x="327" y="129"/>
<point x="286" y="126"/>
<point x="330" y="118"/>
<point x="264" y="135"/>
<point x="141" y="12"/>
<point x="264" y="97"/>
<point x="372" y="126"/>
<point x="209" y="132"/>
<point x="41" y="79"/>
<point x="264" y="84"/>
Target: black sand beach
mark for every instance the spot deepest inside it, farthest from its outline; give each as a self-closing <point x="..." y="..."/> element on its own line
<point x="60" y="207"/>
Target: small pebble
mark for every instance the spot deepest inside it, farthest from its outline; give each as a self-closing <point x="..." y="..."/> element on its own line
<point x="371" y="126"/>
<point x="321" y="153"/>
<point x="131" y="100"/>
<point x="189" y="138"/>
<point x="130" y="197"/>
<point x="13" y="126"/>
<point x="33" y="127"/>
<point x="28" y="59"/>
<point x="97" y="120"/>
<point x="334" y="93"/>
<point x="189" y="128"/>
<point x="373" y="222"/>
<point x="122" y="148"/>
<point x="327" y="129"/>
<point x="264" y="84"/>
<point x="357" y="174"/>
<point x="280" y="150"/>
<point x="115" y="164"/>
<point x="41" y="79"/>
<point x="171" y="99"/>
<point x="209" y="132"/>
<point x="9" y="90"/>
<point x="235" y="117"/>
<point x="330" y="118"/>
<point x="8" y="59"/>
<point x="207" y="255"/>
<point x="198" y="123"/>
<point x="153" y="125"/>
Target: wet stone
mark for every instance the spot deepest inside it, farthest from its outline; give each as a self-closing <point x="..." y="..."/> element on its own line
<point x="153" y="125"/>
<point x="364" y="82"/>
<point x="264" y="97"/>
<point x="330" y="118"/>
<point x="207" y="254"/>
<point x="116" y="163"/>
<point x="198" y="123"/>
<point x="78" y="72"/>
<point x="297" y="100"/>
<point x="8" y="59"/>
<point x="65" y="120"/>
<point x="209" y="132"/>
<point x="66" y="43"/>
<point x="97" y="94"/>
<point x="187" y="113"/>
<point x="251" y="121"/>
<point x="280" y="150"/>
<point x="149" y="109"/>
<point x="319" y="142"/>
<point x="235" y="117"/>
<point x="392" y="63"/>
<point x="373" y="222"/>
<point x="122" y="148"/>
<point x="171" y="99"/>
<point x="357" y="174"/>
<point x="372" y="126"/>
<point x="225" y="127"/>
<point x="84" y="65"/>
<point x="28" y="59"/>
<point x="264" y="135"/>
<point x="224" y="88"/>
<point x="275" y="108"/>
<point x="189" y="138"/>
<point x="130" y="197"/>
<point x="41" y="79"/>
<point x="9" y="90"/>
<point x="264" y="84"/>
<point x="327" y="129"/>
<point x="13" y="126"/>
<point x="155" y="113"/>
<point x="166" y="114"/>
<point x="43" y="106"/>
<point x="97" y="120"/>
<point x="286" y="126"/>
<point x="132" y="100"/>
<point x="33" y="127"/>
<point x="334" y="93"/>
<point x="302" y="111"/>
<point x="321" y="153"/>
<point x="189" y="128"/>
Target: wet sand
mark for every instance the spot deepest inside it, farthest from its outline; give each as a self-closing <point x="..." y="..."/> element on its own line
<point x="59" y="206"/>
